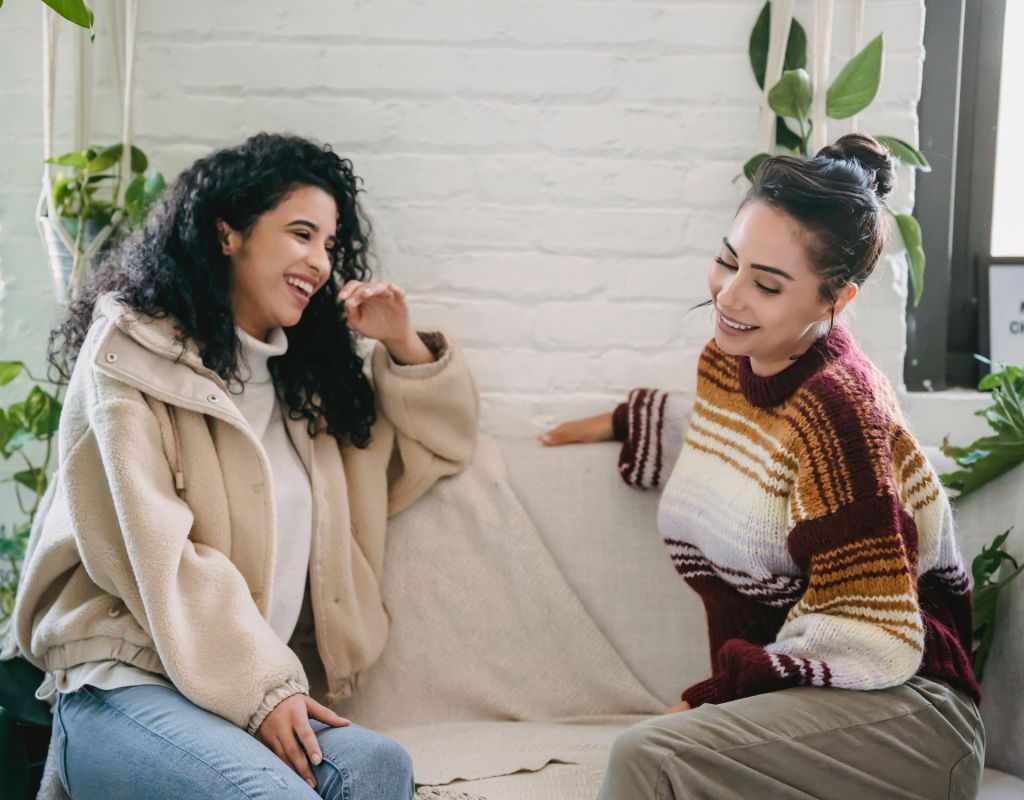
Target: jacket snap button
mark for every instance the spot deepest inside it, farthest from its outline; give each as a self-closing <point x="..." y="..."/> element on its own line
<point x="111" y="358"/>
<point x="212" y="398"/>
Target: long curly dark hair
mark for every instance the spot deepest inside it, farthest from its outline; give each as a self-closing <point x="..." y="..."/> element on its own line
<point x="174" y="267"/>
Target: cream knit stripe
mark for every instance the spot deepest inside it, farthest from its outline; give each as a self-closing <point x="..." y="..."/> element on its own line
<point x="741" y="450"/>
<point x="727" y="525"/>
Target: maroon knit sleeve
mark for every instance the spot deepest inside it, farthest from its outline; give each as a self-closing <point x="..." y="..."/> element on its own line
<point x="650" y="425"/>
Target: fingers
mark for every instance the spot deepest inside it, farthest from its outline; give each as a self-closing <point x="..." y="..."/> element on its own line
<point x="563" y="434"/>
<point x="322" y="713"/>
<point x="354" y="293"/>
<point x="295" y="757"/>
<point x="309" y="743"/>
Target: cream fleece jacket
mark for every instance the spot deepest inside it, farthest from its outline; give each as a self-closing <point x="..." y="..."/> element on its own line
<point x="122" y="564"/>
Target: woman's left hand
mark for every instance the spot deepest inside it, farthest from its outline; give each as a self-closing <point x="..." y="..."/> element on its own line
<point x="682" y="706"/>
<point x="380" y="311"/>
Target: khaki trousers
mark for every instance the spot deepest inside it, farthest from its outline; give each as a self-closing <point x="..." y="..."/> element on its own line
<point x="921" y="740"/>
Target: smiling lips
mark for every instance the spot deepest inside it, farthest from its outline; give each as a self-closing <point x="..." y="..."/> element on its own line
<point x="733" y="327"/>
<point x="300" y="288"/>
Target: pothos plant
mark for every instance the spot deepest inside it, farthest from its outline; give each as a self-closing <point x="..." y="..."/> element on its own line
<point x="851" y="92"/>
<point x="89" y="189"/>
<point x="27" y="425"/>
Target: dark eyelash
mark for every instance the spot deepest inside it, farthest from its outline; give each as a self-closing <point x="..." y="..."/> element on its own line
<point x="761" y="286"/>
<point x="303" y="234"/>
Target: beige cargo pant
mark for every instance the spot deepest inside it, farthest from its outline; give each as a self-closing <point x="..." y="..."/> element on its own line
<point x="921" y="740"/>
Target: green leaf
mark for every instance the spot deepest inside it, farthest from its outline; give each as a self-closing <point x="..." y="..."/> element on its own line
<point x="140" y="195"/>
<point x="990" y="456"/>
<point x="906" y="153"/>
<point x="76" y="160"/>
<point x="9" y="370"/>
<point x="18" y="683"/>
<point x="784" y="137"/>
<point x="76" y="11"/>
<point x="34" y="479"/>
<point x="796" y="45"/>
<point x="911" y="233"/>
<point x="139" y="161"/>
<point x="17" y="440"/>
<point x="791" y="96"/>
<point x="985" y="596"/>
<point x="105" y="158"/>
<point x="751" y="166"/>
<point x="856" y="86"/>
<point x="41" y="413"/>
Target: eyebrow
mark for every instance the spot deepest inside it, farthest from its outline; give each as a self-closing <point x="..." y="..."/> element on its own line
<point x="313" y="225"/>
<point x="762" y="267"/>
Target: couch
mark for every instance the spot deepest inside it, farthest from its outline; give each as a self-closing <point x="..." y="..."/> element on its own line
<point x="491" y="690"/>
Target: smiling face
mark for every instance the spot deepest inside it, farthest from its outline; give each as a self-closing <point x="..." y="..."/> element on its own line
<point x="281" y="261"/>
<point x="765" y="291"/>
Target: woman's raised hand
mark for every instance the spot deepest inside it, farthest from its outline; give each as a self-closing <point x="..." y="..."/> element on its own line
<point x="288" y="725"/>
<point x="380" y="311"/>
<point x="591" y="429"/>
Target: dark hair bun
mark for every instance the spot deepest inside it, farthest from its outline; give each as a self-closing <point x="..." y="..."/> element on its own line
<point x="870" y="154"/>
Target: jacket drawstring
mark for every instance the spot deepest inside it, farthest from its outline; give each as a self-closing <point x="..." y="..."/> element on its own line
<point x="179" y="471"/>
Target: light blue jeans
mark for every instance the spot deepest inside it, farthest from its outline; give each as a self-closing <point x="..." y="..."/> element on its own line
<point x="150" y="741"/>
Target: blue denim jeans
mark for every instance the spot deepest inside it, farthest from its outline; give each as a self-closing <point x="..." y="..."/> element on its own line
<point x="150" y="741"/>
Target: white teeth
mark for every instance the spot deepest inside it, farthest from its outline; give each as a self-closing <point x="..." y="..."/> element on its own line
<point x="736" y="325"/>
<point x="304" y="286"/>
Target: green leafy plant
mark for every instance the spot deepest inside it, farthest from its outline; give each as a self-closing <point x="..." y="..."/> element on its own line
<point x="24" y="720"/>
<point x="986" y="597"/>
<point x="990" y="456"/>
<point x="852" y="91"/>
<point x="90" y="190"/>
<point x="76" y="11"/>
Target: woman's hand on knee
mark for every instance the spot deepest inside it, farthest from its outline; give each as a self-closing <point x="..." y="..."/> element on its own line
<point x="288" y="725"/>
<point x="591" y="429"/>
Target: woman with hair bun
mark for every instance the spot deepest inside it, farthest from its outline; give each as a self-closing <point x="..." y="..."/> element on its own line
<point x="225" y="475"/>
<point x="800" y="508"/>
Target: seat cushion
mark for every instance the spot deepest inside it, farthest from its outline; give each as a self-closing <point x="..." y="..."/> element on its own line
<point x="604" y="537"/>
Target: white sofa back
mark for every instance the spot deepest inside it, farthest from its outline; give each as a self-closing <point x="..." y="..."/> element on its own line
<point x="604" y="537"/>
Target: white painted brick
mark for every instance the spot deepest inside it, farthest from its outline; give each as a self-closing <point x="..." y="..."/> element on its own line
<point x="548" y="179"/>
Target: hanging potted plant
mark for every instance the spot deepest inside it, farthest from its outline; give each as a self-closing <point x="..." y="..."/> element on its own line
<point x="88" y="199"/>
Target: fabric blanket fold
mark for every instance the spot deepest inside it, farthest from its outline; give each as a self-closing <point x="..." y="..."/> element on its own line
<point x="493" y="667"/>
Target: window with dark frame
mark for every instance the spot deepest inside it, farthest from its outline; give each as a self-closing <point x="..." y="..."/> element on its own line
<point x="959" y="114"/>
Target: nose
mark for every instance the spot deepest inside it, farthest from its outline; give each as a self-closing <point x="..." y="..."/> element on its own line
<point x="730" y="294"/>
<point x="320" y="260"/>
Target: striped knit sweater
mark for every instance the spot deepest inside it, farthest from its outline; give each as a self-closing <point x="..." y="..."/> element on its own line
<point x="807" y="518"/>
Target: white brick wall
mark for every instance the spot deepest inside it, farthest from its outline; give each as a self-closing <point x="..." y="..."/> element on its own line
<point x="547" y="179"/>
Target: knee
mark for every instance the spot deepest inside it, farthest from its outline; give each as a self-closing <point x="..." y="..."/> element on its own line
<point x="633" y="751"/>
<point x="386" y="773"/>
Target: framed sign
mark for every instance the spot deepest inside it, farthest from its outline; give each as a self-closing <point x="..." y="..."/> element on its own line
<point x="1006" y="311"/>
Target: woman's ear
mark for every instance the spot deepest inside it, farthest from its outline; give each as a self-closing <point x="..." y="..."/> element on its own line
<point x="228" y="237"/>
<point x="845" y="296"/>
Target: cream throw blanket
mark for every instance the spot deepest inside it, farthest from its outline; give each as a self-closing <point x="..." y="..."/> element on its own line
<point x="489" y="645"/>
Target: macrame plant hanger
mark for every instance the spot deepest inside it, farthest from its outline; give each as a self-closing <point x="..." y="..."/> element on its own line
<point x="60" y="245"/>
<point x="821" y="53"/>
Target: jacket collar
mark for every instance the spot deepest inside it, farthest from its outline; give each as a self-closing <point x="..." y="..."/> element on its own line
<point x="148" y="353"/>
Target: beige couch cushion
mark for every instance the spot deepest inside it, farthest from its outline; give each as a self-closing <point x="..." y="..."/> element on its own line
<point x="604" y="537"/>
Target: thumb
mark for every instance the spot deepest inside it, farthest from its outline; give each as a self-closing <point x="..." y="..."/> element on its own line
<point x="322" y="713"/>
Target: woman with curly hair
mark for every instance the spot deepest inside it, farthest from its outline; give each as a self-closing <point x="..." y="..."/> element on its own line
<point x="799" y="507"/>
<point x="211" y="545"/>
